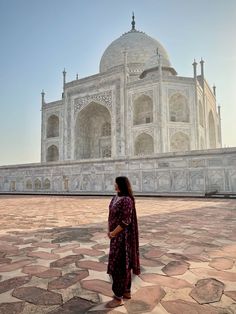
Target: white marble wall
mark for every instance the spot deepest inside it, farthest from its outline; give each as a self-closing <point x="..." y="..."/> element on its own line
<point x="196" y="171"/>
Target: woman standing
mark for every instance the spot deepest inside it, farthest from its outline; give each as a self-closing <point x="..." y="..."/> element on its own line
<point x="124" y="243"/>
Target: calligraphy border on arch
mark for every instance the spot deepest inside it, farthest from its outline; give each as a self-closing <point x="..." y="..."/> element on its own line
<point x="104" y="97"/>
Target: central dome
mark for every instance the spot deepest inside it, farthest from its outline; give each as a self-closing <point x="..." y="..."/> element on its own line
<point x="139" y="47"/>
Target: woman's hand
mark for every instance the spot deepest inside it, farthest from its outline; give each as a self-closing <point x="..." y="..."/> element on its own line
<point x="110" y="235"/>
<point x="115" y="232"/>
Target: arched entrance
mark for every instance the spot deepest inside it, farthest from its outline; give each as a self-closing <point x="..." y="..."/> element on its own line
<point x="179" y="110"/>
<point x="93" y="132"/>
<point x="53" y="126"/>
<point x="143" y="110"/>
<point x="52" y="153"/>
<point x="179" y="142"/>
<point x="144" y="145"/>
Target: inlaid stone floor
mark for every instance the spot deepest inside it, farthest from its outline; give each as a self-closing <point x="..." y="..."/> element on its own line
<point x="53" y="255"/>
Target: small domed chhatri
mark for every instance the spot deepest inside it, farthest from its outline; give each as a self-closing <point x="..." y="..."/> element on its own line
<point x="126" y="119"/>
<point x="139" y="48"/>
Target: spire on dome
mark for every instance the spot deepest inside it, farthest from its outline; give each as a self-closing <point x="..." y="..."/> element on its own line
<point x="133" y="22"/>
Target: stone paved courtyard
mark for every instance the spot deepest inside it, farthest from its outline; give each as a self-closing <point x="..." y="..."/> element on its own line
<point x="53" y="255"/>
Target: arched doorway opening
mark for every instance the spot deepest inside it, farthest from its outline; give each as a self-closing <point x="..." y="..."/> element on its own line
<point x="93" y="132"/>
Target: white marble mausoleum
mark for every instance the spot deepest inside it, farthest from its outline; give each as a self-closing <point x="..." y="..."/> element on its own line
<point x="136" y="117"/>
<point x="136" y="105"/>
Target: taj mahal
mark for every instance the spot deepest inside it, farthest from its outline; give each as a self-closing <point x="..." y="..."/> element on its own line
<point x="136" y="106"/>
<point x="136" y="117"/>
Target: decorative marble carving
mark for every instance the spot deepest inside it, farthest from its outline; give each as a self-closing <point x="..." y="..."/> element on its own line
<point x="109" y="182"/>
<point x="148" y="181"/>
<point x="142" y="130"/>
<point x="197" y="180"/>
<point x="215" y="162"/>
<point x="163" y="164"/>
<point x="163" y="180"/>
<point x="197" y="163"/>
<point x="189" y="172"/>
<point x="215" y="180"/>
<point x="135" y="179"/>
<point x="232" y="180"/>
<point x="148" y="93"/>
<point x="57" y="184"/>
<point x="179" y="181"/>
<point x="104" y="98"/>
<point x="172" y="92"/>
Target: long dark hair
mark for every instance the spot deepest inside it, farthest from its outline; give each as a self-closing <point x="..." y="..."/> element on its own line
<point x="124" y="187"/>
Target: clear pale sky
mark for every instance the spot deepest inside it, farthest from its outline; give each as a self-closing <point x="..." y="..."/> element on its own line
<point x="39" y="38"/>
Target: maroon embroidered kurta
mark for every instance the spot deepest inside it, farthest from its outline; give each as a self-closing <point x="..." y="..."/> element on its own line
<point x="124" y="248"/>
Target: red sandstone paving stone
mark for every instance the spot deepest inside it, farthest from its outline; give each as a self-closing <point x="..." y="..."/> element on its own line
<point x="26" y="250"/>
<point x="50" y="273"/>
<point x="98" y="285"/>
<point x="91" y="265"/>
<point x="89" y="252"/>
<point x="10" y="238"/>
<point x="145" y="299"/>
<point x="98" y="235"/>
<point x="230" y="248"/>
<point x="231" y="294"/>
<point x="34" y="269"/>
<point x="154" y="253"/>
<point x="221" y="263"/>
<point x="207" y="290"/>
<point x="75" y="305"/>
<point x="12" y="283"/>
<point x="37" y="296"/>
<point x="12" y="308"/>
<point x="150" y="263"/>
<point x="28" y="241"/>
<point x="175" y="240"/>
<point x="4" y="260"/>
<point x="65" y="248"/>
<point x="165" y="281"/>
<point x="46" y="245"/>
<point x="182" y="307"/>
<point x="44" y="255"/>
<point x="14" y="265"/>
<point x="100" y="246"/>
<point x="8" y="248"/>
<point x="66" y="260"/>
<point x="177" y="256"/>
<point x="192" y="250"/>
<point x="175" y="268"/>
<point x="221" y="275"/>
<point x="197" y="258"/>
<point x="218" y="253"/>
<point x="67" y="280"/>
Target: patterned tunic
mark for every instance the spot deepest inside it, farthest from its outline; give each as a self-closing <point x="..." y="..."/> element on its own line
<point x="124" y="248"/>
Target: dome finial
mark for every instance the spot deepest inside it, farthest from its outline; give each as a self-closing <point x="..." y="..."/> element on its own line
<point x="133" y="22"/>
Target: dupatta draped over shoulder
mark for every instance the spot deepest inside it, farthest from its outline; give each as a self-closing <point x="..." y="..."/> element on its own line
<point x="124" y="248"/>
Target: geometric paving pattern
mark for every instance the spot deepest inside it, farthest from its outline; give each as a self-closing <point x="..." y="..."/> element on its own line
<point x="53" y="256"/>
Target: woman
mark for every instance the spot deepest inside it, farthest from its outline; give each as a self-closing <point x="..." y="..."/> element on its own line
<point x="124" y="243"/>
